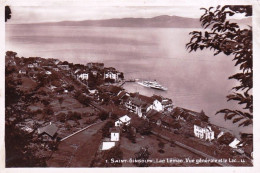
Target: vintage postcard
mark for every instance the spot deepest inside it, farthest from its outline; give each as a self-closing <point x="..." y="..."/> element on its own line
<point x="105" y="84"/>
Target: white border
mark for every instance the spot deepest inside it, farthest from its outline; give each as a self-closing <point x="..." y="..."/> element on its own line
<point x="202" y="3"/>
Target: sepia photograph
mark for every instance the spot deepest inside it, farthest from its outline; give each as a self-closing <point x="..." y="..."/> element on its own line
<point x="104" y="86"/>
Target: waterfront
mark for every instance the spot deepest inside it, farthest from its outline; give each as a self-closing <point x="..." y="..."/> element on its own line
<point x="194" y="80"/>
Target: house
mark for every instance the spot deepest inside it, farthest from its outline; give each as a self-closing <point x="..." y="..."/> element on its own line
<point x="30" y="66"/>
<point x="226" y="138"/>
<point x="106" y="145"/>
<point x="63" y="67"/>
<point x="154" y="117"/>
<point x="94" y="72"/>
<point x="35" y="64"/>
<point x="115" y="134"/>
<point x="203" y="131"/>
<point x="48" y="132"/>
<point x="166" y="103"/>
<point x="124" y="120"/>
<point x="153" y="102"/>
<point x="112" y="90"/>
<point x="92" y="65"/>
<point x="22" y="71"/>
<point x="56" y="69"/>
<point x="83" y="76"/>
<point x="167" y="122"/>
<point x="235" y="143"/>
<point x="137" y="106"/>
<point x="111" y="75"/>
<point x="48" y="73"/>
<point x="56" y="61"/>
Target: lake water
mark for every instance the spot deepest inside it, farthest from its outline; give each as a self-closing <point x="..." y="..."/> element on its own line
<point x="197" y="80"/>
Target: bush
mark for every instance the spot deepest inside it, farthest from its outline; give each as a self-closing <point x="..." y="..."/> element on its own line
<point x="105" y="129"/>
<point x="48" y="111"/>
<point x="73" y="116"/>
<point x="103" y="115"/>
<point x="61" y="117"/>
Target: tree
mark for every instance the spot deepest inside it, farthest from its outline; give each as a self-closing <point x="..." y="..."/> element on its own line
<point x="142" y="155"/>
<point x="105" y="129"/>
<point x="112" y="156"/>
<point x="60" y="99"/>
<point x="203" y="116"/>
<point x="228" y="38"/>
<point x="161" y="146"/>
<point x="103" y="115"/>
<point x="7" y="13"/>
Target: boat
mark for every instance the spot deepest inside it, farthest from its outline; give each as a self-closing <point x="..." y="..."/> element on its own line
<point x="152" y="84"/>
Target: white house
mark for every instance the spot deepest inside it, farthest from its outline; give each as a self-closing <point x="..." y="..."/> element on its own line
<point x="124" y="120"/>
<point x="111" y="75"/>
<point x="106" y="145"/>
<point x="35" y="64"/>
<point x="22" y="71"/>
<point x="220" y="134"/>
<point x="157" y="105"/>
<point x="114" y="136"/>
<point x="30" y="65"/>
<point x="203" y="132"/>
<point x="48" y="73"/>
<point x="56" y="69"/>
<point x="165" y="104"/>
<point x="83" y="76"/>
<point x="234" y="143"/>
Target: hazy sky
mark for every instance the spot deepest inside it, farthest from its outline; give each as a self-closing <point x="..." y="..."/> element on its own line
<point x="32" y="14"/>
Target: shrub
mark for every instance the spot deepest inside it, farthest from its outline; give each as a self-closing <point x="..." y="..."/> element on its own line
<point x="103" y="115"/>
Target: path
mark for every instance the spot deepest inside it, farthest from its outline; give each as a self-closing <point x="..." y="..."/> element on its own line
<point x="79" y="131"/>
<point x="191" y="149"/>
<point x="78" y="149"/>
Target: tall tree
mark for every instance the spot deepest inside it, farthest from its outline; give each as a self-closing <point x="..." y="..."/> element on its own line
<point x="224" y="36"/>
<point x="7" y="13"/>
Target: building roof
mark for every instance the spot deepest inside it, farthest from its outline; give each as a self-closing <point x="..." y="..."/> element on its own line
<point x="234" y="143"/>
<point x="121" y="94"/>
<point x="124" y="118"/>
<point x="159" y="98"/>
<point x="144" y="98"/>
<point x="153" y="115"/>
<point x="167" y="120"/>
<point x="50" y="129"/>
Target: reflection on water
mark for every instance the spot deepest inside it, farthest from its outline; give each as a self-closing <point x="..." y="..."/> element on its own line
<point x="196" y="80"/>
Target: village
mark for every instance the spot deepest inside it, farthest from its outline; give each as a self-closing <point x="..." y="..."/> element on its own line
<point x="73" y="113"/>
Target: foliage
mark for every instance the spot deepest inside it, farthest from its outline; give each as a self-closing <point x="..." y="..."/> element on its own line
<point x="12" y="93"/>
<point x="7" y="13"/>
<point x="19" y="154"/>
<point x="106" y="127"/>
<point x="228" y="38"/>
<point x="61" y="99"/>
<point x="103" y="115"/>
<point x="161" y="146"/>
<point x="203" y="116"/>
<point x="113" y="154"/>
<point x="61" y="117"/>
<point x="83" y="99"/>
<point x="142" y="154"/>
<point x="73" y="116"/>
<point x="145" y="128"/>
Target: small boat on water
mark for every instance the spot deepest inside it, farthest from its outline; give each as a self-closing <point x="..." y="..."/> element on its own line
<point x="152" y="84"/>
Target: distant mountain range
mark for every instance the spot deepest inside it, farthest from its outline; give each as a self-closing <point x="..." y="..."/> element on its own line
<point x="163" y="21"/>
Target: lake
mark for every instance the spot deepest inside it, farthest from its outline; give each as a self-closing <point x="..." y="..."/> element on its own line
<point x="196" y="81"/>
